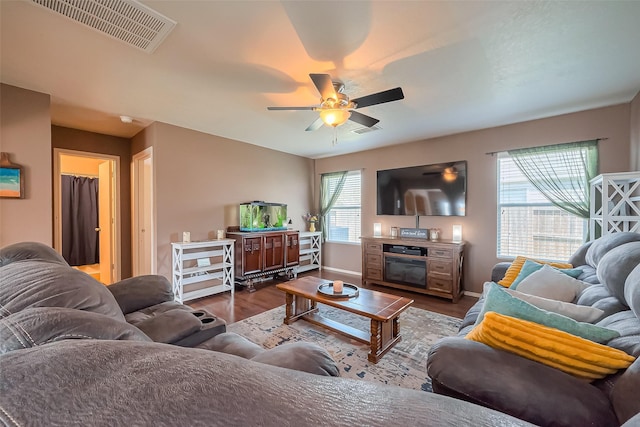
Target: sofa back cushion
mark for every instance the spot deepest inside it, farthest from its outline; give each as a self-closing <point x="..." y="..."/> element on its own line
<point x="35" y="283"/>
<point x="616" y="265"/>
<point x="29" y="250"/>
<point x="601" y="246"/>
<point x="32" y="327"/>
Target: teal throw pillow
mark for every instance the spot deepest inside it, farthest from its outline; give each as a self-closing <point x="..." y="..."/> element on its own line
<point x="530" y="267"/>
<point x="498" y="300"/>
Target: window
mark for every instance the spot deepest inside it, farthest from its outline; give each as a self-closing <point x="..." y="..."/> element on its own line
<point x="343" y="219"/>
<point x="528" y="223"/>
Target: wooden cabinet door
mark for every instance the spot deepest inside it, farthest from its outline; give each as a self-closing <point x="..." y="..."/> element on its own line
<point x="273" y="251"/>
<point x="292" y="249"/>
<point x="252" y="249"/>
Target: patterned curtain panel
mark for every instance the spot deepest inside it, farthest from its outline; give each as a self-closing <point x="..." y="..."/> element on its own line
<point x="331" y="185"/>
<point x="561" y="172"/>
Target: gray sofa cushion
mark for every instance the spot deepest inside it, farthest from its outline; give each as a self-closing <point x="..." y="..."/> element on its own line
<point x="579" y="257"/>
<point x="182" y="322"/>
<point x="616" y="265"/>
<point x="632" y="290"/>
<point x="41" y="325"/>
<point x="128" y="383"/>
<point x="301" y="356"/>
<point x="35" y="283"/>
<point x="139" y="292"/>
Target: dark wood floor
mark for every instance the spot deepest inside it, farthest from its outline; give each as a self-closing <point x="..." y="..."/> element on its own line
<point x="245" y="304"/>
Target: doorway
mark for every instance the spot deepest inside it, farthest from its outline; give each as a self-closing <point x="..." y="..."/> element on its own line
<point x="101" y="171"/>
<point x="143" y="213"/>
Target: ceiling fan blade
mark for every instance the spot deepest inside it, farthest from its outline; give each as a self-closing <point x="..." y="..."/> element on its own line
<point x="379" y="98"/>
<point x="324" y="85"/>
<point x="315" y="125"/>
<point x="363" y="119"/>
<point x="291" y="108"/>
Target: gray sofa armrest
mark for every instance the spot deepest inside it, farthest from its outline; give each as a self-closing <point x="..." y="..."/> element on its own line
<point x="498" y="271"/>
<point x="624" y="396"/>
<point x="140" y="292"/>
<point x="515" y="385"/>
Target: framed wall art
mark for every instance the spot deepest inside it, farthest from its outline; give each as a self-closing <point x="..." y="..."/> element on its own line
<point x="11" y="178"/>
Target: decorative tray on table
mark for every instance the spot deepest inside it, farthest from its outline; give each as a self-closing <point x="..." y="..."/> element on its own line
<point x="348" y="290"/>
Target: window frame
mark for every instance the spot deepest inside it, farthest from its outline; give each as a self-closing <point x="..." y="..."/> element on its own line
<point x="508" y="253"/>
<point x="356" y="231"/>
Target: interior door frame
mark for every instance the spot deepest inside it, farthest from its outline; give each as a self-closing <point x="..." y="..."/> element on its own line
<point x="136" y="199"/>
<point x="57" y="205"/>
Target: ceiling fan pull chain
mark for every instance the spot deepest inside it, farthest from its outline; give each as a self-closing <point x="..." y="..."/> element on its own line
<point x="335" y="137"/>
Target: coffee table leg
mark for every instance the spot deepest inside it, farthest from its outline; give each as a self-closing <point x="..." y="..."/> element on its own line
<point x="384" y="335"/>
<point x="288" y="309"/>
<point x="297" y="307"/>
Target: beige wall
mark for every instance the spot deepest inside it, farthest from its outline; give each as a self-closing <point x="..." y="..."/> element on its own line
<point x="635" y="133"/>
<point x="479" y="226"/>
<point x="25" y="133"/>
<point x="201" y="179"/>
<point x="79" y="140"/>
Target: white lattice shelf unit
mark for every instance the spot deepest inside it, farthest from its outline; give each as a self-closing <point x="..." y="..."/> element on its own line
<point x="615" y="203"/>
<point x="310" y="250"/>
<point x="202" y="268"/>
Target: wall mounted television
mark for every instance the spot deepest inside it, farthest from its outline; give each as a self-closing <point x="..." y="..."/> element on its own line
<point x="428" y="190"/>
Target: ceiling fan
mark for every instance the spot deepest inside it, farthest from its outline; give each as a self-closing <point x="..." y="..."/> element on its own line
<point x="335" y="106"/>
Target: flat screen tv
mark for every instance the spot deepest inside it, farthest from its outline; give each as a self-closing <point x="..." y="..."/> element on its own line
<point x="428" y="190"/>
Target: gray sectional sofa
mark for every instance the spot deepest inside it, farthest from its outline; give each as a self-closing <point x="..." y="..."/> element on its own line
<point x="74" y="352"/>
<point x="541" y="394"/>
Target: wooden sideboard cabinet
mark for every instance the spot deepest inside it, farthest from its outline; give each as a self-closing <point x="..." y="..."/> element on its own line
<point x="425" y="266"/>
<point x="259" y="254"/>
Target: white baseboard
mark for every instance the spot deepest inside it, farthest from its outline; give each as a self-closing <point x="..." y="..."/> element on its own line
<point x="338" y="270"/>
<point x="472" y="294"/>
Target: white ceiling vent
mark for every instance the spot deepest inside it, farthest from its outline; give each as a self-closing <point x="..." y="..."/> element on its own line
<point x="366" y="129"/>
<point x="125" y="20"/>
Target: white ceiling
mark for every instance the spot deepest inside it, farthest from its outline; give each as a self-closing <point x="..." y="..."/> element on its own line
<point x="462" y="66"/>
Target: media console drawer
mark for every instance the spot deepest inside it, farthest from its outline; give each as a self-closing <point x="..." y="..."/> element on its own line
<point x="440" y="253"/>
<point x="440" y="266"/>
<point x="401" y="263"/>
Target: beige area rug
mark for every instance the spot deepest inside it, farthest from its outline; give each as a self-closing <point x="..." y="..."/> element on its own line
<point x="404" y="365"/>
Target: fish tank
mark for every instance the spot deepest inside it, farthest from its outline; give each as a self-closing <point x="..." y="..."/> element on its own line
<point x="263" y="216"/>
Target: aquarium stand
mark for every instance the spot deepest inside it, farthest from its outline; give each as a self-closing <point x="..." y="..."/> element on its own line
<point x="261" y="255"/>
<point x="250" y="280"/>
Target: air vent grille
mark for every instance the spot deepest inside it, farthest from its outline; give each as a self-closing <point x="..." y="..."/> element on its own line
<point x="365" y="129"/>
<point x="125" y="20"/>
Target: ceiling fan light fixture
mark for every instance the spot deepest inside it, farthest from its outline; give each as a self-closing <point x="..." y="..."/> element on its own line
<point x="334" y="117"/>
<point x="450" y="174"/>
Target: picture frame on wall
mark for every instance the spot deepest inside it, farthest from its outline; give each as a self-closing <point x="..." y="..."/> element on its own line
<point x="11" y="178"/>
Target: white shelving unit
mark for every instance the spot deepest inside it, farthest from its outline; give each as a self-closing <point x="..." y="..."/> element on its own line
<point x="615" y="204"/>
<point x="202" y="268"/>
<point x="310" y="250"/>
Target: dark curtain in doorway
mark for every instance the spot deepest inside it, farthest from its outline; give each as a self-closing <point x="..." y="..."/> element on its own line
<point x="80" y="244"/>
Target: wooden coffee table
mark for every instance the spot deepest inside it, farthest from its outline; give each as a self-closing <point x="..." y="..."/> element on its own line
<point x="383" y="309"/>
